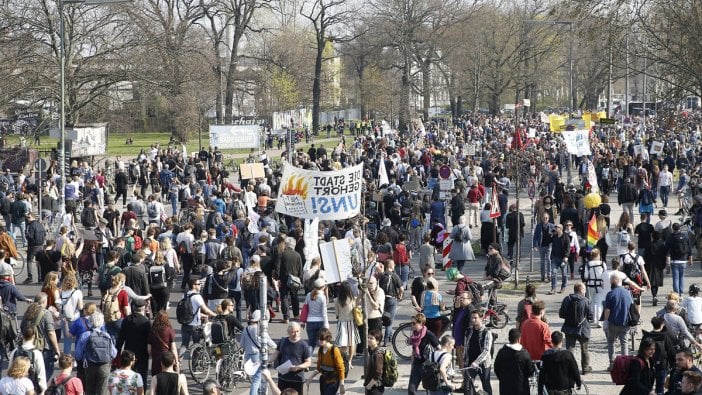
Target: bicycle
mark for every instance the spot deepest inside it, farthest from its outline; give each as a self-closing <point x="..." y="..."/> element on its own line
<point x="494" y="316"/>
<point x="204" y="357"/>
<point x="470" y="385"/>
<point x="230" y="368"/>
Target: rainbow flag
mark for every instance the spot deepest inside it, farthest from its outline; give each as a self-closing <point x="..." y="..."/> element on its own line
<point x="592" y="234"/>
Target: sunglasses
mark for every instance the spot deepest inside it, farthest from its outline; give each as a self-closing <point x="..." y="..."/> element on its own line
<point x="430" y="273"/>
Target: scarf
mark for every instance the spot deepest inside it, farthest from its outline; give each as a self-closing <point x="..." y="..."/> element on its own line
<point x="415" y="339"/>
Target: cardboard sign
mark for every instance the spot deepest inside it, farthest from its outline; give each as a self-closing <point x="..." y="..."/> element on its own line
<point x="336" y="257"/>
<point x="248" y="171"/>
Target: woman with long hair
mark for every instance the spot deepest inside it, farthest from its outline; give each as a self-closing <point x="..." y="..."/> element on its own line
<point x="17" y="380"/>
<point x="317" y="317"/>
<point x="116" y="294"/>
<point x="124" y="380"/>
<point x="170" y="255"/>
<point x="53" y="300"/>
<point x="71" y="305"/>
<point x="159" y="277"/>
<point x="602" y="230"/>
<point x="420" y="338"/>
<point x="347" y="336"/>
<point x="161" y="339"/>
<point x="625" y="233"/>
<point x="641" y="374"/>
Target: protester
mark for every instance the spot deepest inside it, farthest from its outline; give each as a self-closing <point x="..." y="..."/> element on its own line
<point x="421" y="340"/>
<point x="513" y="366"/>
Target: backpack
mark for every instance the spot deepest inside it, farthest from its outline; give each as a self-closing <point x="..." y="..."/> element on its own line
<point x="678" y="245"/>
<point x="247" y="280"/>
<point x="110" y="307"/>
<point x="87" y="217"/>
<point x="624" y="238"/>
<point x="219" y="331"/>
<point x="182" y="248"/>
<point x="431" y="373"/>
<point x="152" y="210"/>
<point x="459" y="235"/>
<point x="595" y="282"/>
<point x="184" y="310"/>
<point x="138" y="242"/>
<point x="400" y="256"/>
<point x="630" y="267"/>
<point x="344" y="358"/>
<point x="98" y="348"/>
<point x="621" y="366"/>
<point x="575" y="315"/>
<point x="106" y="275"/>
<point x="29" y="354"/>
<point x="646" y="198"/>
<point x="390" y="374"/>
<point x="212" y="281"/>
<point x="157" y="277"/>
<point x="55" y="388"/>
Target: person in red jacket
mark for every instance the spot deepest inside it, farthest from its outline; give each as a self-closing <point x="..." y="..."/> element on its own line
<point x="536" y="335"/>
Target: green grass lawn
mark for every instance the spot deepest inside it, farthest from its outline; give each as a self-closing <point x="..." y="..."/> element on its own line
<point x="116" y="144"/>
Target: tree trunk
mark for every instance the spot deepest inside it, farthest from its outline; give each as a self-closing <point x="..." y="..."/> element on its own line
<point x="459" y="105"/>
<point x="317" y="83"/>
<point x="404" y="99"/>
<point x="426" y="87"/>
<point x="230" y="83"/>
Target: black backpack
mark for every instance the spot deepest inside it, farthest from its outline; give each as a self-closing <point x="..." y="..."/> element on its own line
<point x="678" y="245"/>
<point x="157" y="277"/>
<point x="55" y="388"/>
<point x="630" y="267"/>
<point x="87" y="217"/>
<point x="575" y="317"/>
<point x="184" y="310"/>
<point x="387" y="285"/>
<point x="29" y="354"/>
<point x="431" y="372"/>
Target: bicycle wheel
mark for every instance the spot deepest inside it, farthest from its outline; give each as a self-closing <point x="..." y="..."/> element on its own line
<point x="200" y="362"/>
<point x="401" y="341"/>
<point x="225" y="372"/>
<point x="18" y="264"/>
<point x="583" y="390"/>
<point x="500" y="320"/>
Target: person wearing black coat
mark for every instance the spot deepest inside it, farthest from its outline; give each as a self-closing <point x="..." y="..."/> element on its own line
<point x="576" y="307"/>
<point x="559" y="371"/>
<point x="513" y="366"/>
<point x="655" y="262"/>
<point x="664" y="357"/>
<point x="641" y="370"/>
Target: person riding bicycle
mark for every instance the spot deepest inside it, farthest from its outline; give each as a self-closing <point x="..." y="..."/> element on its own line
<point x="496" y="269"/>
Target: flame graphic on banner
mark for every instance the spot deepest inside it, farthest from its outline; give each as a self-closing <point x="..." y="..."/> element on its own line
<point x="296" y="186"/>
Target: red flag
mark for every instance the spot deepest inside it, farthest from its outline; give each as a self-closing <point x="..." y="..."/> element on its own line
<point x="495" y="204"/>
<point x="517" y="143"/>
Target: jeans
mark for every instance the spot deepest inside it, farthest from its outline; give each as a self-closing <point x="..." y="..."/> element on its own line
<point x="256" y="378"/>
<point x="328" y="388"/>
<point x="484" y="378"/>
<point x="312" y="331"/>
<point x="68" y="339"/>
<point x="284" y="292"/>
<point x="415" y="378"/>
<point x="545" y="257"/>
<point x="390" y="307"/>
<point x="403" y="272"/>
<point x="660" y="381"/>
<point x="629" y="209"/>
<point x="584" y="352"/>
<point x="113" y="328"/>
<point x="459" y="265"/>
<point x="678" y="271"/>
<point x="613" y="333"/>
<point x="188" y="333"/>
<point x="665" y="192"/>
<point x="49" y="361"/>
<point x="22" y="227"/>
<point x="96" y="378"/>
<point x="174" y="203"/>
<point x="556" y="265"/>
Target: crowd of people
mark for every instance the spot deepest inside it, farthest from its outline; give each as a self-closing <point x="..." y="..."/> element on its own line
<point x="186" y="222"/>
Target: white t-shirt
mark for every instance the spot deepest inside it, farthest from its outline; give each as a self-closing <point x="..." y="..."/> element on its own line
<point x="70" y="300"/>
<point x="12" y="386"/>
<point x="693" y="305"/>
<point x="606" y="285"/>
<point x="197" y="302"/>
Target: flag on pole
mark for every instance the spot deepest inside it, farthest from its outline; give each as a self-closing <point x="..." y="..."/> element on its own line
<point x="592" y="234"/>
<point x="495" y="204"/>
<point x="382" y="173"/>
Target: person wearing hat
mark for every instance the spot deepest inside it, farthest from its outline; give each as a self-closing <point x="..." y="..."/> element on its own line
<point x="250" y="342"/>
<point x="317" y="317"/>
<point x="134" y="336"/>
<point x="663" y="226"/>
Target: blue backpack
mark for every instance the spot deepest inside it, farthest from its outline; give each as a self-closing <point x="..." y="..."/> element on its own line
<point x="98" y="348"/>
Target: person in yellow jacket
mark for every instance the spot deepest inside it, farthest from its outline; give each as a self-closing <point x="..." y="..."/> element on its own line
<point x="330" y="364"/>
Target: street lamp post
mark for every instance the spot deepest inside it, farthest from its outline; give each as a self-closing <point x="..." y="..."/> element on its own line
<point x="62" y="54"/>
<point x="572" y="99"/>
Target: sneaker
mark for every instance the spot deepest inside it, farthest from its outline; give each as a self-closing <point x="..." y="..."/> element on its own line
<point x="27" y="281"/>
<point x="551" y="292"/>
<point x="611" y="365"/>
<point x="284" y="321"/>
<point x="587" y="369"/>
<point x="655" y="302"/>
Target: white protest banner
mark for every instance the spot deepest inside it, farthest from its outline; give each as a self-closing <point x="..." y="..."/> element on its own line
<point x="325" y="195"/>
<point x="235" y="136"/>
<point x="577" y="141"/>
<point x="336" y="257"/>
<point x="657" y="148"/>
